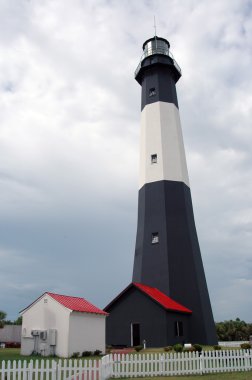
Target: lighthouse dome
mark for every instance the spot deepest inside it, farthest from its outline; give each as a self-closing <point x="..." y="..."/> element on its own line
<point x="156" y="45"/>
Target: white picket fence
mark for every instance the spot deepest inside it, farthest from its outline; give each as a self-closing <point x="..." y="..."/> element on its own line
<point x="52" y="370"/>
<point x="185" y="363"/>
<point x="126" y="365"/>
<point x="236" y="343"/>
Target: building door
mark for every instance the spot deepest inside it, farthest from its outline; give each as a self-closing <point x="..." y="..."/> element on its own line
<point x="135" y="334"/>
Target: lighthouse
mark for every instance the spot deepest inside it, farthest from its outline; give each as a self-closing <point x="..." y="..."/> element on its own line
<point x="167" y="301"/>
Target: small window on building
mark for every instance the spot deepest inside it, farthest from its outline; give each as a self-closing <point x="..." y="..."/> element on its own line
<point x="45" y="300"/>
<point x="152" y="91"/>
<point x="154" y="238"/>
<point x="178" y="328"/>
<point x="154" y="158"/>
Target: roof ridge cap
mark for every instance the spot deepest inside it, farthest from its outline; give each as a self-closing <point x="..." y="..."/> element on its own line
<point x="65" y="295"/>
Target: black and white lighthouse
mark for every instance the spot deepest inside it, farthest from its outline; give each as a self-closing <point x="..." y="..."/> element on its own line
<point x="167" y="301"/>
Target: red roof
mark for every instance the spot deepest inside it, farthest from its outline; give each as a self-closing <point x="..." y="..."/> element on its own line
<point x="162" y="298"/>
<point x="76" y="304"/>
<point x="156" y="295"/>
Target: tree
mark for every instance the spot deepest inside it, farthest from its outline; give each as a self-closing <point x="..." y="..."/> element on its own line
<point x="233" y="330"/>
<point x="18" y="321"/>
<point x="2" y="318"/>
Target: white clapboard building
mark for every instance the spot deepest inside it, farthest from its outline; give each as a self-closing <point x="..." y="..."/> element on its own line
<point x="61" y="325"/>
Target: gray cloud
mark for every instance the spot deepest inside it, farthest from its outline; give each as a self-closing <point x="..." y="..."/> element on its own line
<point x="69" y="131"/>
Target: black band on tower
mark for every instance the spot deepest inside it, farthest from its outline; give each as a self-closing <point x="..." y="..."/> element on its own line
<point x="172" y="262"/>
<point x="158" y="85"/>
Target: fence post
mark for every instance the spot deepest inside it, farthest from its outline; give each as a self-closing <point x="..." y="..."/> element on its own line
<point x="201" y="358"/>
<point x="246" y="360"/>
<point x="111" y="365"/>
<point x="3" y="370"/>
<point x="54" y="370"/>
<point x="101" y="369"/>
<point x="30" y="370"/>
<point x="161" y="365"/>
<point x="58" y="372"/>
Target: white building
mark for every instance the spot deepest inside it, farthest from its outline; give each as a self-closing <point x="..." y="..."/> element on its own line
<point x="61" y="325"/>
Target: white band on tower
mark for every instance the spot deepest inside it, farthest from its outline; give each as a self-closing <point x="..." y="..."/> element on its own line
<point x="162" y="153"/>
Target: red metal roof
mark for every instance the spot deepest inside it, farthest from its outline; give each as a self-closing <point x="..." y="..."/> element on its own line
<point x="76" y="304"/>
<point x="162" y="298"/>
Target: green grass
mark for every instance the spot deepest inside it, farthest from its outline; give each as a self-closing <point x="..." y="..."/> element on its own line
<point x="205" y="348"/>
<point x="14" y="354"/>
<point x="217" y="376"/>
<point x="162" y="351"/>
<point x="9" y="354"/>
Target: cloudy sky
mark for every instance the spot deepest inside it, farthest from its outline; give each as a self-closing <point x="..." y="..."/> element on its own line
<point x="69" y="143"/>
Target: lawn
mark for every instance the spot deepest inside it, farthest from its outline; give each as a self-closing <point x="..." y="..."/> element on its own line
<point x="10" y="354"/>
<point x="14" y="354"/>
<point x="217" y="376"/>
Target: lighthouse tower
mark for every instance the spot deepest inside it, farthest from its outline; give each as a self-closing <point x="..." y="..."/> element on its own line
<point x="167" y="253"/>
<point x="167" y="266"/>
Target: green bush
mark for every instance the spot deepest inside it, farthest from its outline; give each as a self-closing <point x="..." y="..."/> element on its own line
<point x="138" y="348"/>
<point x="168" y="348"/>
<point x="75" y="355"/>
<point x="97" y="352"/>
<point x="245" y="346"/>
<point x="216" y="347"/>
<point x="86" y="353"/>
<point x="178" y="347"/>
<point x="189" y="349"/>
<point x="197" y="347"/>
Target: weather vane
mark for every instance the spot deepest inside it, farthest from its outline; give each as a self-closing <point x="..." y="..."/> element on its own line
<point x="155" y="27"/>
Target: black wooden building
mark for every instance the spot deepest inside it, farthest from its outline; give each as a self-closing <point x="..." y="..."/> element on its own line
<point x="142" y="313"/>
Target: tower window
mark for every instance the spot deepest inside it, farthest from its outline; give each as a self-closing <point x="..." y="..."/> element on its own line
<point x="152" y="91"/>
<point x="154" y="238"/>
<point x="154" y="158"/>
<point x="178" y="328"/>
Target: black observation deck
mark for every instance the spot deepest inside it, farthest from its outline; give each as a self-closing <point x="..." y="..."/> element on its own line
<point x="160" y="48"/>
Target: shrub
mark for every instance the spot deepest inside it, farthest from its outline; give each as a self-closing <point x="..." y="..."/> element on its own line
<point x="86" y="353"/>
<point x="189" y="349"/>
<point x="138" y="348"/>
<point x="75" y="355"/>
<point x="245" y="346"/>
<point x="168" y="348"/>
<point x="178" y="347"/>
<point x="197" y="347"/>
<point x="216" y="347"/>
<point x="97" y="352"/>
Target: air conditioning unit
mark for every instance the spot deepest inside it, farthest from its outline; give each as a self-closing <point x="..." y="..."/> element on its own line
<point x="52" y="337"/>
<point x="35" y="332"/>
<point x="43" y="335"/>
